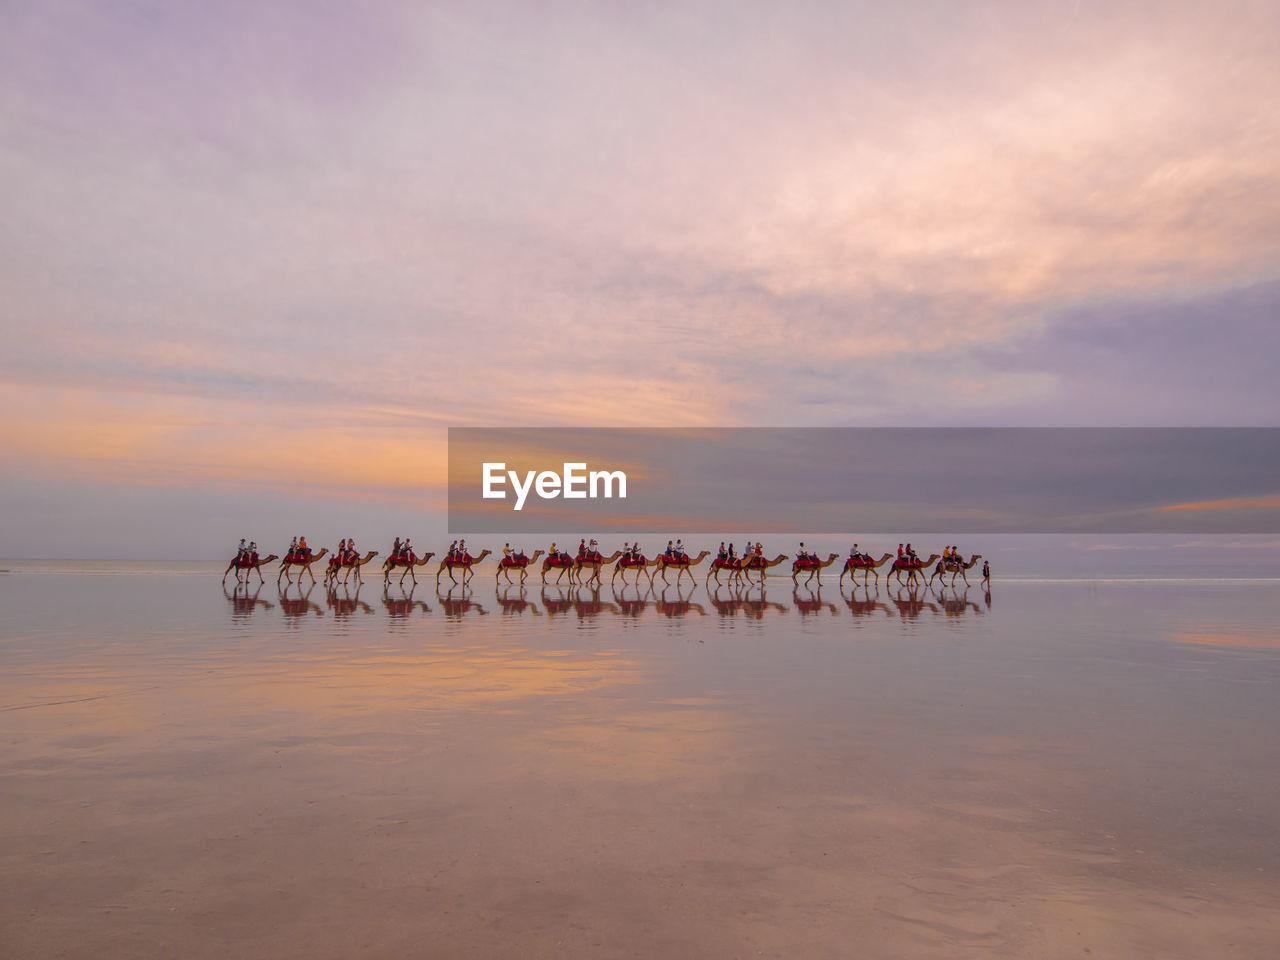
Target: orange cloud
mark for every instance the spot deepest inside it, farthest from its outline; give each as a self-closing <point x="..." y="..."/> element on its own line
<point x="1238" y="503"/>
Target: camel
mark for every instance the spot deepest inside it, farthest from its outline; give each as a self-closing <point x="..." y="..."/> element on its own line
<point x="684" y="565"/>
<point x="249" y="566"/>
<point x="558" y="561"/>
<point x="852" y="568"/>
<point x="286" y="563"/>
<point x="955" y="569"/>
<point x="912" y="568"/>
<point x="409" y="565"/>
<point x="331" y="573"/>
<point x="814" y="566"/>
<point x="736" y="567"/>
<point x="595" y="565"/>
<point x="465" y="563"/>
<point x="640" y="566"/>
<point x="507" y="564"/>
<point x="758" y="563"/>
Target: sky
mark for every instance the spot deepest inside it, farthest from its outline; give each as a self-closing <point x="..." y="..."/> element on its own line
<point x="256" y="258"/>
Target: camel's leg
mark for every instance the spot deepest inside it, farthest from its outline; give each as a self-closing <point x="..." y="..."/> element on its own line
<point x="228" y="570"/>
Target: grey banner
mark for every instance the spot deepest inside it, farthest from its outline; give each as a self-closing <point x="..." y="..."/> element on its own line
<point x="865" y="480"/>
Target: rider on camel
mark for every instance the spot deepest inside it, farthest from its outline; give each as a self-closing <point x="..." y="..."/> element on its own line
<point x="240" y="553"/>
<point x="303" y="549"/>
<point x="680" y="551"/>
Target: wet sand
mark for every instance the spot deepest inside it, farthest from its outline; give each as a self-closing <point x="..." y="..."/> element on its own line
<point x="1070" y="771"/>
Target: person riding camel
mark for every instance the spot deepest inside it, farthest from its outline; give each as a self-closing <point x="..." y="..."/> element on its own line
<point x="303" y="550"/>
<point x="911" y="556"/>
<point x="395" y="550"/>
<point x="406" y="551"/>
<point x="732" y="553"/>
<point x="507" y="554"/>
<point x="670" y="553"/>
<point x="241" y="550"/>
<point x="722" y="554"/>
<point x="681" y="555"/>
<point x="462" y="550"/>
<point x="253" y="551"/>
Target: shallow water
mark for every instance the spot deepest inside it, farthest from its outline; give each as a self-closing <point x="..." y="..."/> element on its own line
<point x="1057" y="769"/>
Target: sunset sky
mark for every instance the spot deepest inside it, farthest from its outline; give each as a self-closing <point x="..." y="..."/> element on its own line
<point x="256" y="258"/>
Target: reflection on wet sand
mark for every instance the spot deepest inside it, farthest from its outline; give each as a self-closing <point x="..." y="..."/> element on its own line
<point x="629" y="601"/>
<point x="809" y="602"/>
<point x="458" y="602"/>
<point x="244" y="601"/>
<point x="343" y="601"/>
<point x="403" y="606"/>
<point x="365" y="785"/>
<point x="295" y="603"/>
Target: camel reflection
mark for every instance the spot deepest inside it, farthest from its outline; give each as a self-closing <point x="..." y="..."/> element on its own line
<point x="515" y="606"/>
<point x="957" y="603"/>
<point x="243" y="603"/>
<point x="740" y="602"/>
<point x="914" y="603"/>
<point x="457" y="603"/>
<point x="402" y="607"/>
<point x="583" y="601"/>
<point x="632" y="607"/>
<point x="680" y="606"/>
<point x="812" y="603"/>
<point x="866" y="606"/>
<point x="294" y="608"/>
<point x="345" y="605"/>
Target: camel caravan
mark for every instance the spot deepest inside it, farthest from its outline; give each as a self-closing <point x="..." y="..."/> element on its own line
<point x="585" y="566"/>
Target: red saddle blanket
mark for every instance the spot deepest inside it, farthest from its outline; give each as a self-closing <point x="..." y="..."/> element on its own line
<point x="467" y="559"/>
<point x="401" y="561"/>
<point x="720" y="564"/>
<point x="624" y="562"/>
<point x="560" y="560"/>
<point x="592" y="557"/>
<point x="520" y="561"/>
<point x="806" y="564"/>
<point x="908" y="565"/>
<point x="248" y="561"/>
<point x="297" y="557"/>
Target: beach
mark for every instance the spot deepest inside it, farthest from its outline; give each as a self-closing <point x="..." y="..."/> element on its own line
<point x="1074" y="767"/>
